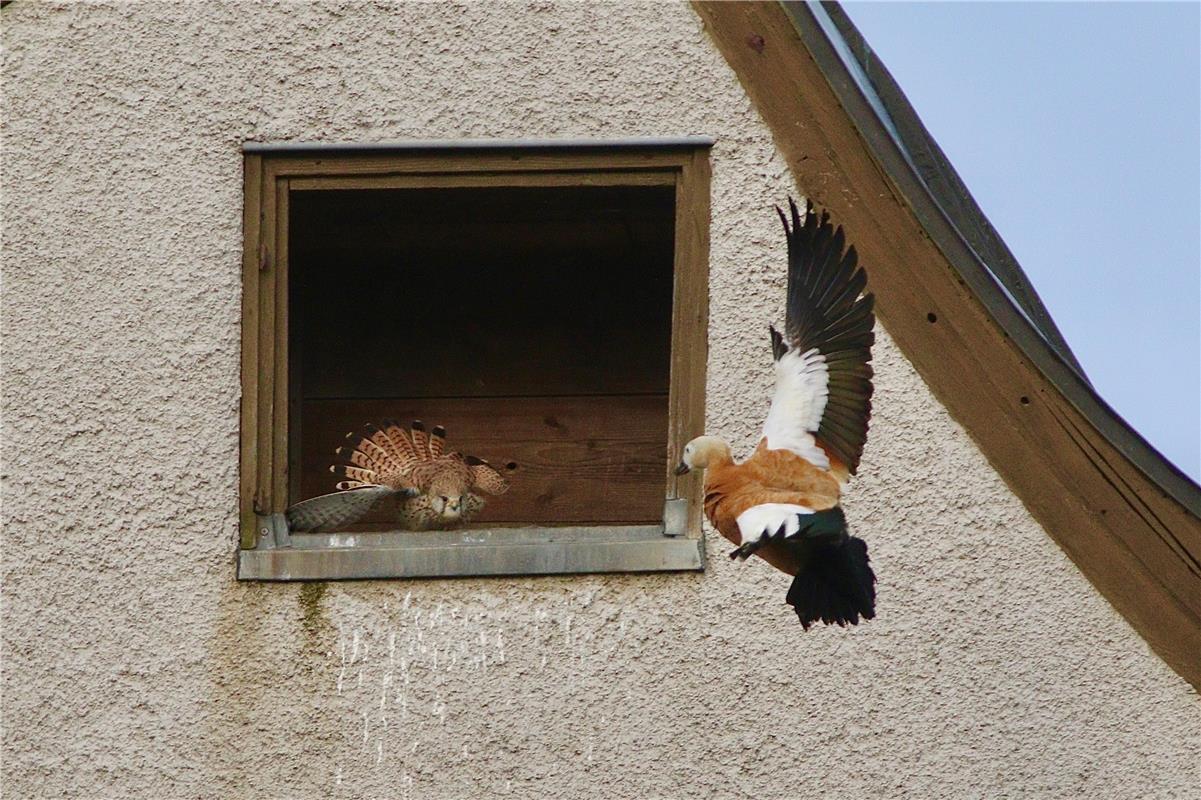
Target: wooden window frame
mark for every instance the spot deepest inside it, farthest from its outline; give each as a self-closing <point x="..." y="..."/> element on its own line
<point x="269" y="551"/>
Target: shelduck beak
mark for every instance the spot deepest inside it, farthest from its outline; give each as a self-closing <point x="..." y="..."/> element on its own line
<point x="683" y="469"/>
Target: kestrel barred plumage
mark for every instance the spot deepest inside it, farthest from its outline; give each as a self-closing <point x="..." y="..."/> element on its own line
<point x="435" y="489"/>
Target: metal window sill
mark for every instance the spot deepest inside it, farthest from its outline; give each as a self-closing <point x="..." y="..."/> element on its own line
<point x="470" y="553"/>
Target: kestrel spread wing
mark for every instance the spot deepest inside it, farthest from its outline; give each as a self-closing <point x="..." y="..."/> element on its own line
<point x="378" y="464"/>
<point x="339" y="509"/>
<point x="485" y="476"/>
<point x="822" y="402"/>
<point x="385" y="460"/>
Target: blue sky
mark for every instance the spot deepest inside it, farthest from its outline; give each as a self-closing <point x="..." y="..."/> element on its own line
<point x="1077" y="128"/>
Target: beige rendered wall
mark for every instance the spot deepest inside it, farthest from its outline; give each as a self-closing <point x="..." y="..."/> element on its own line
<point x="134" y="664"/>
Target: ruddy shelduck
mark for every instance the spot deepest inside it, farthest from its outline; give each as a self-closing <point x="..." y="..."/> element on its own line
<point x="782" y="503"/>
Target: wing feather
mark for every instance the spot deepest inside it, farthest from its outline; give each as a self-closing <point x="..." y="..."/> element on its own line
<point x="399" y="441"/>
<point x="437" y="441"/>
<point x="486" y="477"/>
<point x="420" y="439"/>
<point x="823" y="375"/>
<point x="354" y="473"/>
<point x="336" y="510"/>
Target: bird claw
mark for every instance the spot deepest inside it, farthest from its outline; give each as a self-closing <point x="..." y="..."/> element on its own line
<point x="744" y="550"/>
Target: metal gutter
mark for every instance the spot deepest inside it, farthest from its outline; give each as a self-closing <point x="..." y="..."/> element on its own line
<point x="944" y="208"/>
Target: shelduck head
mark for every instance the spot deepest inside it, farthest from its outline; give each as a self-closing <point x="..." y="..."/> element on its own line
<point x="701" y="452"/>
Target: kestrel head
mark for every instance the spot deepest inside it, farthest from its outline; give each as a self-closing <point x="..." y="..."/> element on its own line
<point x="446" y="497"/>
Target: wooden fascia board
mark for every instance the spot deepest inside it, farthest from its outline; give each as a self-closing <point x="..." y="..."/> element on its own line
<point x="1137" y="544"/>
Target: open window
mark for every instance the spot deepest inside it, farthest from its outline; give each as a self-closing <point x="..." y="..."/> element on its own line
<point x="545" y="303"/>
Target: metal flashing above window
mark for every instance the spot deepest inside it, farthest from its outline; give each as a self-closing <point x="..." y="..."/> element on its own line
<point x="421" y="145"/>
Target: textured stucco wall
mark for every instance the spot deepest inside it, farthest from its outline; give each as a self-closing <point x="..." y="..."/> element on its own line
<point x="135" y="666"/>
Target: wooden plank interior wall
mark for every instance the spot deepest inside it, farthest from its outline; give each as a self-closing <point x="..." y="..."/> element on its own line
<point x="1139" y="547"/>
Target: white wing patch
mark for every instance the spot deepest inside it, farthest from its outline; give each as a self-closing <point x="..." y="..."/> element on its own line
<point x="797" y="407"/>
<point x="767" y="518"/>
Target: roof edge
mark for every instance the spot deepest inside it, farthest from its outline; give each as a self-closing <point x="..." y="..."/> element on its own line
<point x="945" y="208"/>
<point x="927" y="159"/>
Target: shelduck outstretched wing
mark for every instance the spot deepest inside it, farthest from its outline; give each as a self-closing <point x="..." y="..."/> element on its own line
<point x="823" y="396"/>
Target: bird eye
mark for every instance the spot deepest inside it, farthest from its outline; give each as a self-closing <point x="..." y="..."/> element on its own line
<point x="445" y="498"/>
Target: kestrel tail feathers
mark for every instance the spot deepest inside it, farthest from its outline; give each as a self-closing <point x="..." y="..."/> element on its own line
<point x="420" y="440"/>
<point x="375" y="466"/>
<point x="388" y="454"/>
<point x="437" y="444"/>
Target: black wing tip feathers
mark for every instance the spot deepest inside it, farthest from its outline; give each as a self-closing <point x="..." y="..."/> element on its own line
<point x="828" y="308"/>
<point x="778" y="346"/>
<point x="439" y="431"/>
<point x="418" y="425"/>
<point x="792" y="220"/>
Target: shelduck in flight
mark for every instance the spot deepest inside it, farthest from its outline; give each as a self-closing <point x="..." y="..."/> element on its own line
<point x="782" y="503"/>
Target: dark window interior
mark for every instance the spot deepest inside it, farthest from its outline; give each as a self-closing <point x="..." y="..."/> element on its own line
<point x="533" y="323"/>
